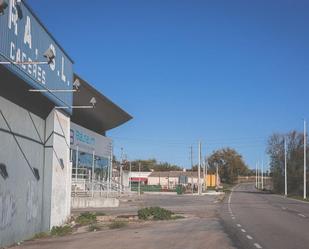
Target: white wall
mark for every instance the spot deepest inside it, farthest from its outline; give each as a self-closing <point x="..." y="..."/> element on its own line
<point x="21" y="193"/>
<point x="58" y="124"/>
<point x="136" y="174"/>
<point x="29" y="205"/>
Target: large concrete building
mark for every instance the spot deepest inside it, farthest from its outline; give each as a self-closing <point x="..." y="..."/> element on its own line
<point x="37" y="139"/>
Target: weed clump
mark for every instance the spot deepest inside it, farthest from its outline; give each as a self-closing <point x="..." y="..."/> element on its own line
<point x="86" y="218"/>
<point x="41" y="235"/>
<point x="117" y="224"/>
<point x="154" y="213"/>
<point x="61" y="230"/>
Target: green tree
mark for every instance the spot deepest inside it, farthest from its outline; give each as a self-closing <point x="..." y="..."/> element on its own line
<point x="295" y="161"/>
<point x="230" y="164"/>
<point x="151" y="164"/>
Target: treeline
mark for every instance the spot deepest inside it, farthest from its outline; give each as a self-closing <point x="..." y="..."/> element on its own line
<point x="230" y="165"/>
<point x="295" y="161"/>
<point x="150" y="165"/>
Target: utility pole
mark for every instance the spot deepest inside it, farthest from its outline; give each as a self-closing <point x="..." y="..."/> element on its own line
<point x="256" y="175"/>
<point x="206" y="172"/>
<point x="285" y="169"/>
<point x="130" y="176"/>
<point x="199" y="168"/>
<point x="139" y="180"/>
<point x="258" y="169"/>
<point x="192" y="184"/>
<point x="121" y="171"/>
<point x="262" y="174"/>
<point x="217" y="176"/>
<point x="305" y="161"/>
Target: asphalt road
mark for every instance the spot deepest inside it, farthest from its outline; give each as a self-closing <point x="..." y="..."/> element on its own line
<point x="254" y="219"/>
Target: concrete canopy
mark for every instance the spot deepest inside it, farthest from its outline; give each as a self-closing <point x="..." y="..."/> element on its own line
<point x="105" y="116"/>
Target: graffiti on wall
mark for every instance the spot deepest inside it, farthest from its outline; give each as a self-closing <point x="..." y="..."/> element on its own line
<point x="32" y="201"/>
<point x="7" y="210"/>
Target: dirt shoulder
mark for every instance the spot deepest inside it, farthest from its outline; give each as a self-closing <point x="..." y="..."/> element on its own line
<point x="200" y="228"/>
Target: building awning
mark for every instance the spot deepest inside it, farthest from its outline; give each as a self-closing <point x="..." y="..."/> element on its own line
<point x="138" y="179"/>
<point x="105" y="116"/>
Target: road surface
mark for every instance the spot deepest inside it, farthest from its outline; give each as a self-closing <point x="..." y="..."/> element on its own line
<point x="255" y="219"/>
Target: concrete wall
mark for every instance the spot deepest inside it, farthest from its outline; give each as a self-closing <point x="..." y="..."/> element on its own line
<point x="165" y="182"/>
<point x="95" y="202"/>
<point x="21" y="194"/>
<point x="171" y="181"/>
<point x="58" y="164"/>
<point x="30" y="202"/>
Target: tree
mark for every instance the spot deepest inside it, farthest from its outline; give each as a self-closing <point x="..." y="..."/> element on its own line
<point x="295" y="161"/>
<point x="230" y="164"/>
<point x="151" y="164"/>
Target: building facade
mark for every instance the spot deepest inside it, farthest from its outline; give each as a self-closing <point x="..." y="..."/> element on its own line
<point x="36" y="147"/>
<point x="170" y="179"/>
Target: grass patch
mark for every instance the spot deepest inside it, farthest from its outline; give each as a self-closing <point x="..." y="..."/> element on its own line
<point x="99" y="213"/>
<point x="117" y="224"/>
<point x="61" y="230"/>
<point x="154" y="213"/>
<point x="86" y="218"/>
<point x="41" y="235"/>
<point x="177" y="217"/>
<point x="94" y="227"/>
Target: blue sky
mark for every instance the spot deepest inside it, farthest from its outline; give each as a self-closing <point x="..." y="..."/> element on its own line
<point x="228" y="73"/>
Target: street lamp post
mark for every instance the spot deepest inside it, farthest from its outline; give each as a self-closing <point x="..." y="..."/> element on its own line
<point x="305" y="161"/>
<point x="285" y="169"/>
<point x="139" y="180"/>
<point x="199" y="169"/>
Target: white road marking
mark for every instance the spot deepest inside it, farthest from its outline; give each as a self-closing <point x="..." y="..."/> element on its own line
<point x="243" y="230"/>
<point x="249" y="237"/>
<point x="302" y="215"/>
<point x="257" y="245"/>
<point x="233" y="218"/>
<point x="284" y="208"/>
<point x="238" y="225"/>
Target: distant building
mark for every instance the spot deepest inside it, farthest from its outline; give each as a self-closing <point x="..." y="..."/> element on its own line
<point x="170" y="179"/>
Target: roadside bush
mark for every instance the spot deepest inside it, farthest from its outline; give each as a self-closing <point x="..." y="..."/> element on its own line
<point x="155" y="213"/>
<point x="61" y="230"/>
<point x="86" y="218"/>
<point x="144" y="213"/>
<point x="117" y="224"/>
